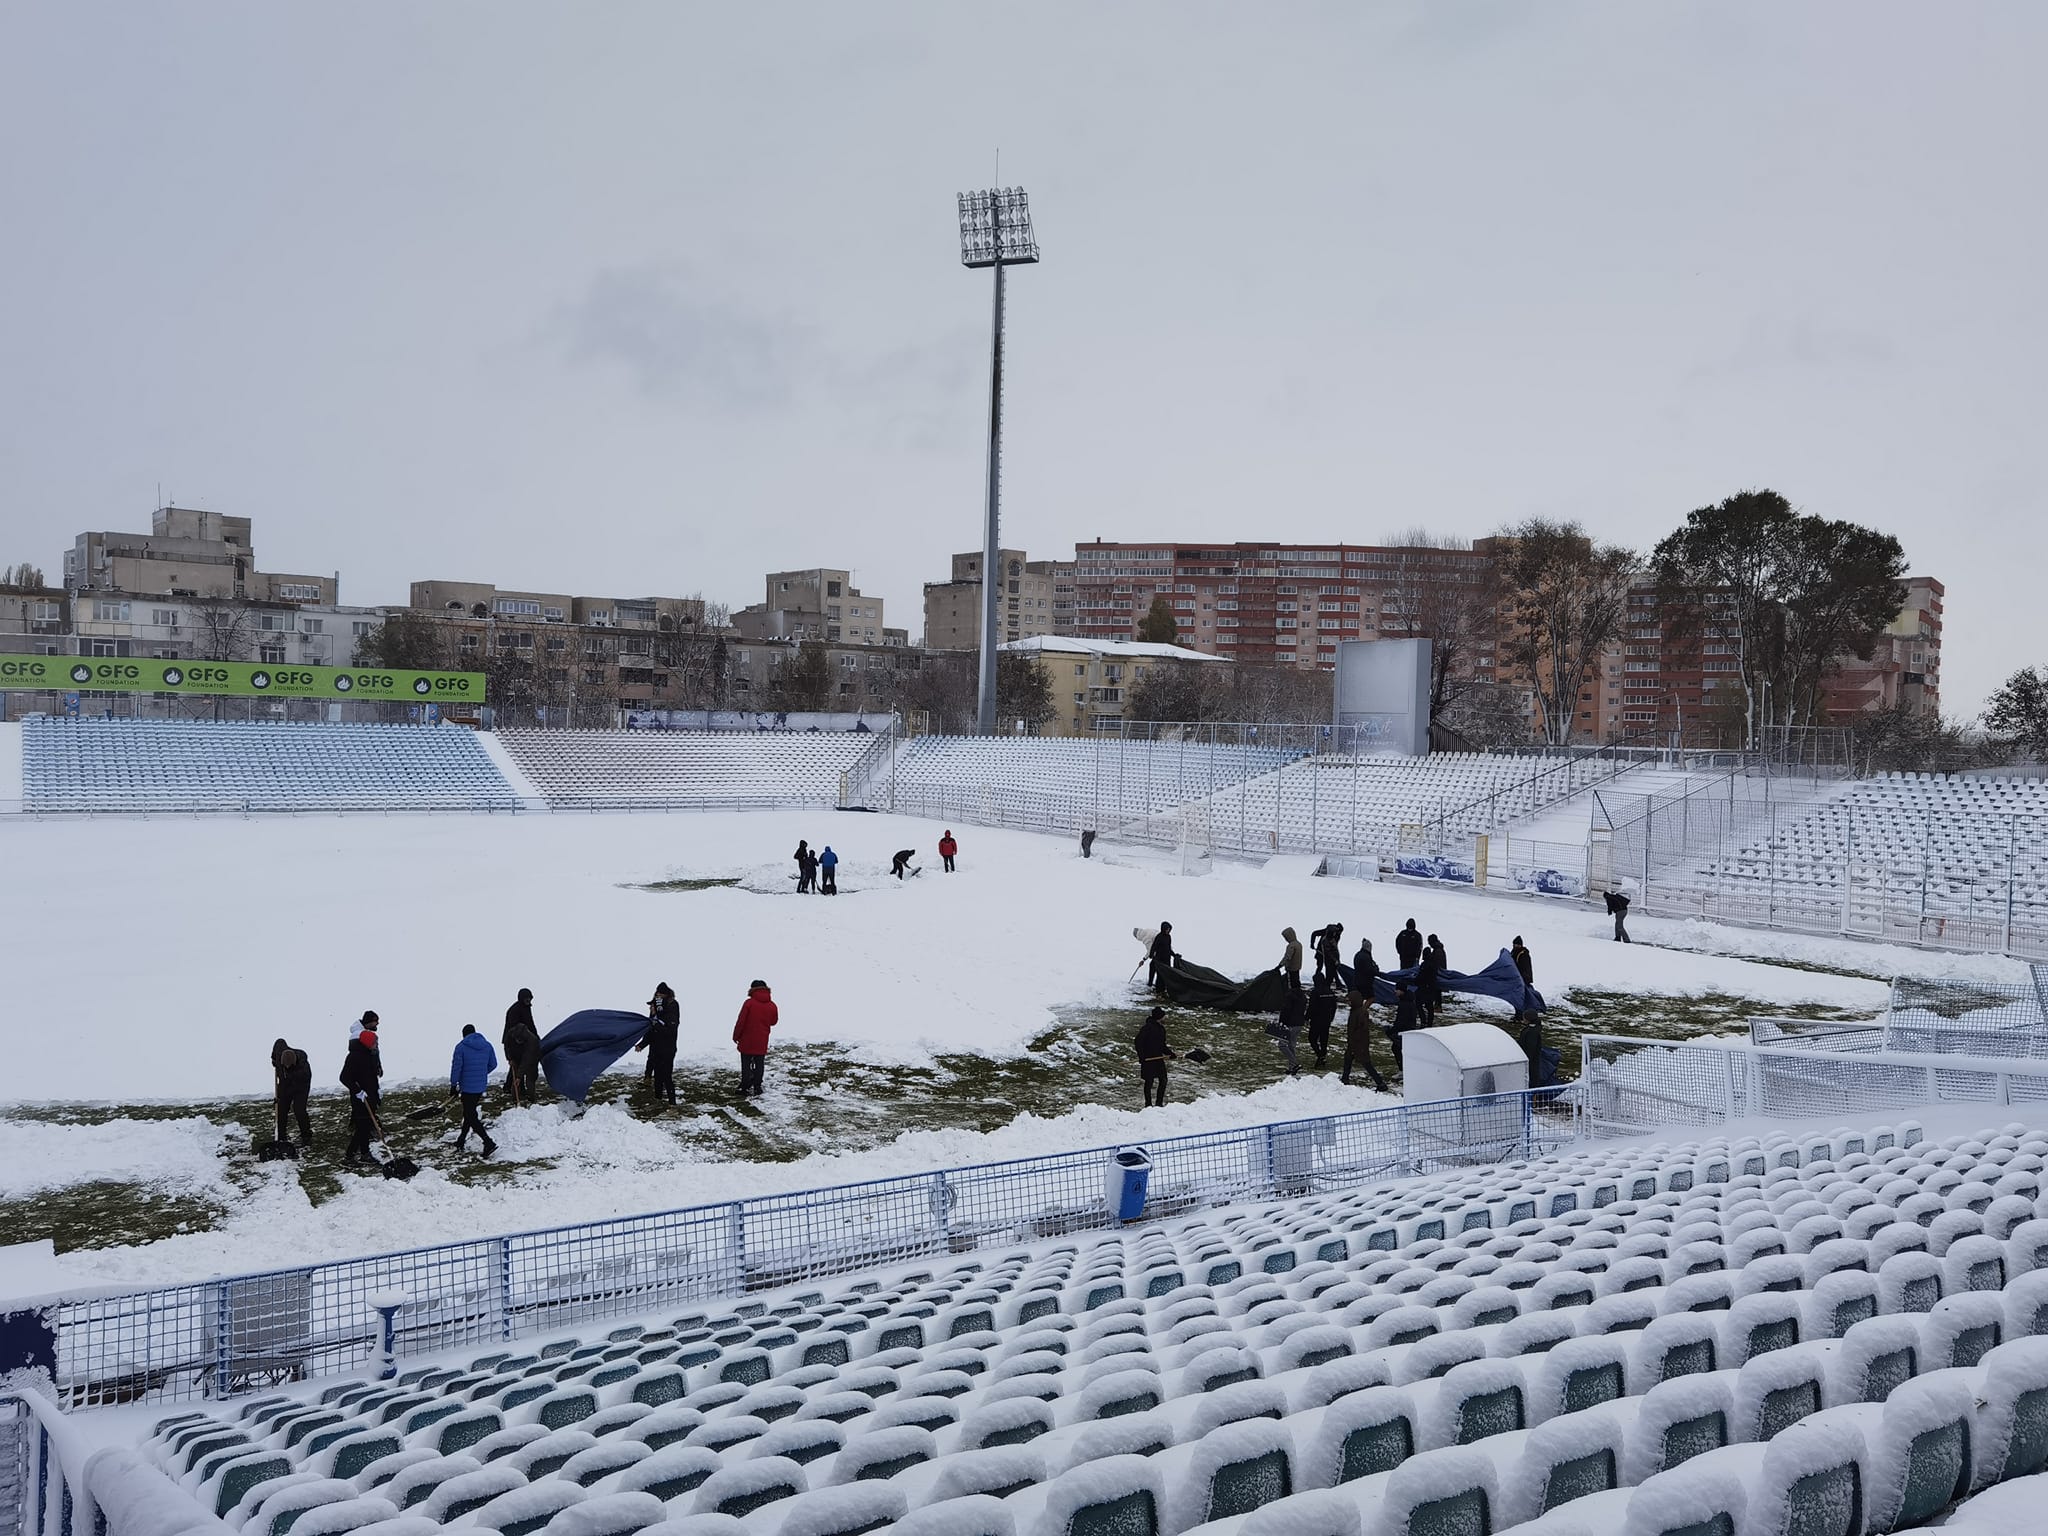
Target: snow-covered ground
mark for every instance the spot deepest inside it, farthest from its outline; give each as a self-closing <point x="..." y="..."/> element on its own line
<point x="158" y="959"/>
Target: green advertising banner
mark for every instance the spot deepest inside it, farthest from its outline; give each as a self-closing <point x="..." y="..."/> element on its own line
<point x="237" y="679"/>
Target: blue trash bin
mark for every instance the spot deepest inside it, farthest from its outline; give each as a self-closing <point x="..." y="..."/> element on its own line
<point x="1130" y="1171"/>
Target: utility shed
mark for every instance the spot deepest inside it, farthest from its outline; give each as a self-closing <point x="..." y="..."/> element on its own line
<point x="1459" y="1061"/>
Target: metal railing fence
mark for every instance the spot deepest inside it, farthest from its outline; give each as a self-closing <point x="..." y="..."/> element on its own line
<point x="232" y="1334"/>
<point x="43" y="1488"/>
<point x="1631" y="1086"/>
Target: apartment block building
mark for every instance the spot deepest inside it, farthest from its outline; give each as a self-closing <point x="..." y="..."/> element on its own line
<point x="188" y="552"/>
<point x="817" y="604"/>
<point x="1905" y="668"/>
<point x="1269" y="603"/>
<point x="1029" y="603"/>
<point x="1676" y="675"/>
<point x="1092" y="680"/>
<point x="574" y="659"/>
<point x="861" y="677"/>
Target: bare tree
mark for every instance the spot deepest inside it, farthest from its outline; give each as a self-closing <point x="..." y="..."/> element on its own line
<point x="1565" y="601"/>
<point x="224" y="629"/>
<point x="1449" y="602"/>
<point x="941" y="689"/>
<point x="1487" y="716"/>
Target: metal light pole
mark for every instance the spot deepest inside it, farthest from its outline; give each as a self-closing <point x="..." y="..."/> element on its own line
<point x="995" y="231"/>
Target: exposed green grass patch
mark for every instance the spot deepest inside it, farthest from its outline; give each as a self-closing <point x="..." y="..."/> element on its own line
<point x="105" y="1214"/>
<point x="820" y="1099"/>
<point x="705" y="883"/>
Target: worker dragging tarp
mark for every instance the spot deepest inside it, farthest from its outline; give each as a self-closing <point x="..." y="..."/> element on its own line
<point x="1197" y="986"/>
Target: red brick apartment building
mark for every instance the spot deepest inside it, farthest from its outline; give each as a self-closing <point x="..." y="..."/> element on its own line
<point x="1265" y="603"/>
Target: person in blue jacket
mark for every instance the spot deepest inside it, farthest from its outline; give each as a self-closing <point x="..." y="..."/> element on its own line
<point x="469" y="1074"/>
<point x="828" y="872"/>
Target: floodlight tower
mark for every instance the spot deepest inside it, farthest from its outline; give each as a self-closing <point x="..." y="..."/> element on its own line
<point x="995" y="231"/>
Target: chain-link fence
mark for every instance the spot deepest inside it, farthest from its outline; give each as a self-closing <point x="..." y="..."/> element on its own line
<point x="218" y="1337"/>
<point x="1630" y="1086"/>
<point x="1741" y="851"/>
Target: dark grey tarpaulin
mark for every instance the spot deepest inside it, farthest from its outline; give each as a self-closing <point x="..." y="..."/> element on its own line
<point x="1499" y="979"/>
<point x="1198" y="986"/>
<point x="576" y="1050"/>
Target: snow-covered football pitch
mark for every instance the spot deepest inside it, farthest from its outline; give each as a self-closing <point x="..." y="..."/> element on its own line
<point x="940" y="1020"/>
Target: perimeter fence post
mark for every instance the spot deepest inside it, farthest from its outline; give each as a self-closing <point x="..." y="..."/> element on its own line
<point x="1315" y="798"/>
<point x="2012" y="834"/>
<point x="941" y="1203"/>
<point x="736" y="1243"/>
<point x="221" y="1347"/>
<point x="504" y="1246"/>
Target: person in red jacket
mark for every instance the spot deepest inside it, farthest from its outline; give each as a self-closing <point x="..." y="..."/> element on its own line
<point x="757" y="1016"/>
<point x="947" y="848"/>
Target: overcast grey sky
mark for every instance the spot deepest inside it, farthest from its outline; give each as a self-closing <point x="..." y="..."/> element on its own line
<point x="620" y="298"/>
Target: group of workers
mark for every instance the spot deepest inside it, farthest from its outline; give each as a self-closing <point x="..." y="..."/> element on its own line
<point x="1313" y="1010"/>
<point x="474" y="1061"/>
<point x="818" y="872"/>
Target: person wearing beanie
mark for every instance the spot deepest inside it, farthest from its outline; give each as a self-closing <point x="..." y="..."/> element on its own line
<point x="758" y="1015"/>
<point x="1153" y="1056"/>
<point x="292" y="1077"/>
<point x="522" y="1049"/>
<point x="469" y="1075"/>
<point x="664" y="1019"/>
<point x="828" y="872"/>
<point x="359" y="1075"/>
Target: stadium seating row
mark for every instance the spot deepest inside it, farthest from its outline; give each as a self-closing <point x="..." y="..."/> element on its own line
<point x="85" y="765"/>
<point x="1953" y="836"/>
<point x="597" y="769"/>
<point x="1839" y="1335"/>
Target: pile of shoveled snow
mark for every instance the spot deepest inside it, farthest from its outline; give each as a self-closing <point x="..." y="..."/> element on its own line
<point x="609" y="1164"/>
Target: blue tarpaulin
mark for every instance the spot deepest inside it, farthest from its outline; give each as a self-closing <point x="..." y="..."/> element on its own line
<point x="1499" y="979"/>
<point x="584" y="1044"/>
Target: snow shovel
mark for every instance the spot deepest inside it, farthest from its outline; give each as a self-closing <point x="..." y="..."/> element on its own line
<point x="394" y="1166"/>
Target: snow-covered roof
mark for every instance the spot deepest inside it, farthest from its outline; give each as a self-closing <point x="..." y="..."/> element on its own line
<point x="1472" y="1045"/>
<point x="1078" y="645"/>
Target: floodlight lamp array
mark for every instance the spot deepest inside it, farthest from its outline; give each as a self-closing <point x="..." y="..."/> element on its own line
<point x="995" y="228"/>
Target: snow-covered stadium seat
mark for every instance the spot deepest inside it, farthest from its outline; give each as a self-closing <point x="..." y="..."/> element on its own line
<point x="600" y="770"/>
<point x="84" y="766"/>
<point x="1543" y="1348"/>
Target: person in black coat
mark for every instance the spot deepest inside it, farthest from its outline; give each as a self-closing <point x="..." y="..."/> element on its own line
<point x="1428" y="993"/>
<point x="901" y="862"/>
<point x="1617" y="907"/>
<point x="1525" y="964"/>
<point x="1153" y="1056"/>
<point x="1365" y="971"/>
<point x="360" y="1074"/>
<point x="806" y="867"/>
<point x="1161" y="953"/>
<point x="1435" y="946"/>
<point x="1325" y="944"/>
<point x="292" y="1074"/>
<point x="522" y="1048"/>
<point x="1405" y="1018"/>
<point x="664" y="1019"/>
<point x="1408" y="945"/>
<point x="1322" y="1013"/>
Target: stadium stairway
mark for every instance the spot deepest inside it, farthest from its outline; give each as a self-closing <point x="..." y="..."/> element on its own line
<point x="1814" y="1335"/>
